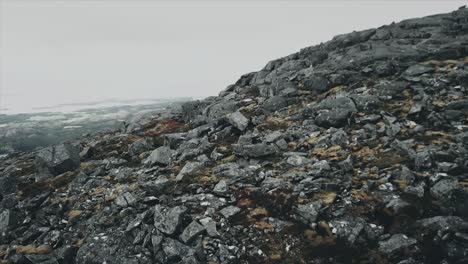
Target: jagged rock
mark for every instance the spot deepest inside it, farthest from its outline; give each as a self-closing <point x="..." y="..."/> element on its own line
<point x="8" y="184"/>
<point x="308" y="213"/>
<point x="125" y="200"/>
<point x="178" y="252"/>
<point x="160" y="156"/>
<point x="210" y="226"/>
<point x="297" y="160"/>
<point x="173" y="140"/>
<point x="348" y="229"/>
<point x="8" y="220"/>
<point x="396" y="243"/>
<point x="156" y="187"/>
<point x="255" y="150"/>
<point x="167" y="220"/>
<point x="274" y="103"/>
<point x="140" y="146"/>
<point x="238" y="120"/>
<point x="221" y="188"/>
<point x="230" y="211"/>
<point x="56" y="160"/>
<point x="191" y="232"/>
<point x="419" y="69"/>
<point x="436" y="223"/>
<point x="443" y="188"/>
<point x="189" y="169"/>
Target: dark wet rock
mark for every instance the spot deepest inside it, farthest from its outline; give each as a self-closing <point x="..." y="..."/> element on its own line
<point x="167" y="220"/>
<point x="56" y="160"/>
<point x="160" y="156"/>
<point x="193" y="230"/>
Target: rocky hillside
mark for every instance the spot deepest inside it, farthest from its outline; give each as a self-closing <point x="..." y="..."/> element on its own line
<point x="352" y="151"/>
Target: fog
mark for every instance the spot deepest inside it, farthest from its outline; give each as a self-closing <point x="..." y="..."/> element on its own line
<point x="59" y="52"/>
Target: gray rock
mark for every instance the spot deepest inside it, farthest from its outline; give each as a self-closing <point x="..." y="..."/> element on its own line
<point x="230" y="211"/>
<point x="189" y="169"/>
<point x="396" y="243"/>
<point x="167" y="220"/>
<point x="173" y="140"/>
<point x="320" y="166"/>
<point x="238" y="120"/>
<point x="193" y="230"/>
<point x="140" y="146"/>
<point x="332" y="118"/>
<point x="8" y="220"/>
<point x="273" y="136"/>
<point x="156" y="187"/>
<point x="443" y="188"/>
<point x="125" y="200"/>
<point x="443" y="223"/>
<point x="423" y="160"/>
<point x="255" y="150"/>
<point x="8" y="184"/>
<point x="160" y="156"/>
<point x="210" y="226"/>
<point x="274" y="103"/>
<point x="297" y="160"/>
<point x="221" y="188"/>
<point x="308" y="213"/>
<point x="176" y="251"/>
<point x="56" y="160"/>
<point x="418" y="69"/>
<point x="339" y="138"/>
<point x="156" y="241"/>
<point x="348" y="229"/>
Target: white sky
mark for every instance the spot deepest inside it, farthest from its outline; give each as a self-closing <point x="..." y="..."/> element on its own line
<point x="55" y="52"/>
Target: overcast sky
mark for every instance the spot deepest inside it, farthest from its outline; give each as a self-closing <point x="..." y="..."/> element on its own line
<point x="55" y="52"/>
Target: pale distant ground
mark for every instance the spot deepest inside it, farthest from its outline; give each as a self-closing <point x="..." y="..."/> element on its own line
<point x="25" y="128"/>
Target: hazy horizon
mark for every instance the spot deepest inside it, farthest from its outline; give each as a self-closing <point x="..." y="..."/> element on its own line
<point x="83" y="51"/>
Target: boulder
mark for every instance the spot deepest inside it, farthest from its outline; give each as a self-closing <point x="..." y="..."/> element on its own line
<point x="53" y="161"/>
<point x="238" y="120"/>
<point x="160" y="156"/>
<point x="191" y="232"/>
<point x="167" y="220"/>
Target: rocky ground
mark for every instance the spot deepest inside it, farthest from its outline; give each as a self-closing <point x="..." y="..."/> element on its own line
<point x="352" y="151"/>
